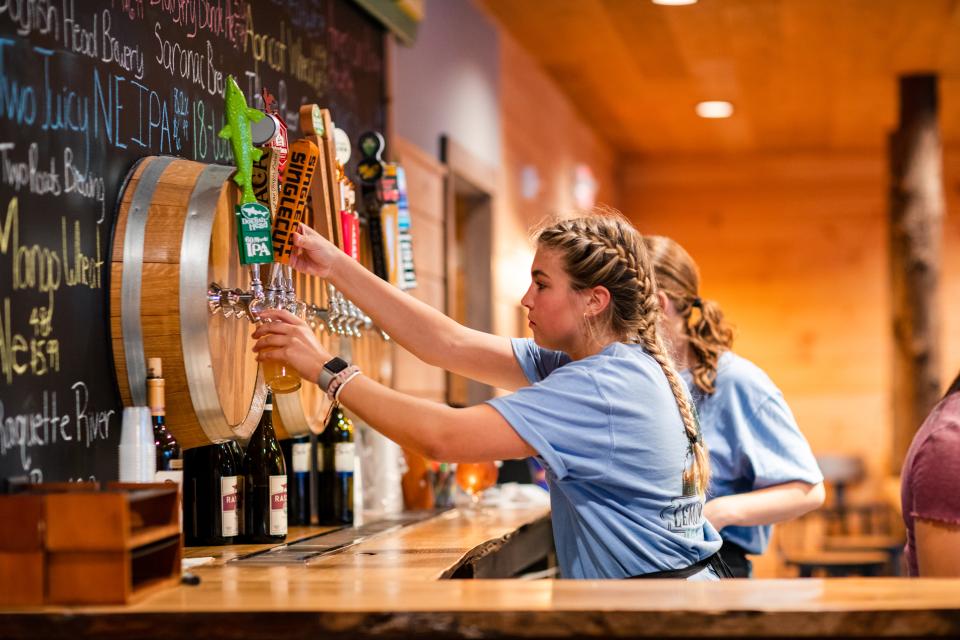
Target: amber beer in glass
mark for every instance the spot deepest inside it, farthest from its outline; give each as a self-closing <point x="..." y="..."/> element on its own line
<point x="280" y="377"/>
<point x="476" y="477"/>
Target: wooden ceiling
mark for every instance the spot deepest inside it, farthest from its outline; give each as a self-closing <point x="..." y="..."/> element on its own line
<point x="802" y="74"/>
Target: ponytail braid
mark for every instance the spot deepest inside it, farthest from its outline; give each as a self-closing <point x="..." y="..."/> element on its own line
<point x="709" y="337"/>
<point x="708" y="334"/>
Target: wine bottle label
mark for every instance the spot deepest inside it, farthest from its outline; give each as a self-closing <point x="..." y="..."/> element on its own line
<point x="229" y="522"/>
<point x="278" y="505"/>
<point x="343" y="457"/>
<point x="155" y="396"/>
<point x="301" y="457"/>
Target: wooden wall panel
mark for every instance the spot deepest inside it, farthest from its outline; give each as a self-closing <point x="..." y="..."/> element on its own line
<point x="794" y="247"/>
<point x="541" y="129"/>
<point x="425" y="177"/>
<point x="950" y="283"/>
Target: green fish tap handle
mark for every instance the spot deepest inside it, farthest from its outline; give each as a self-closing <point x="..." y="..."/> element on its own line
<point x="253" y="219"/>
<point x="237" y="131"/>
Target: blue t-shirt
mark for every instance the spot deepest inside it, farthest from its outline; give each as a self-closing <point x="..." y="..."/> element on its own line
<point x="612" y="441"/>
<point x="753" y="439"/>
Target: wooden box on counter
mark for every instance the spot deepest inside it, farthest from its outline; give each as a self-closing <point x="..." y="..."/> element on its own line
<point x="93" y="547"/>
<point x="21" y="550"/>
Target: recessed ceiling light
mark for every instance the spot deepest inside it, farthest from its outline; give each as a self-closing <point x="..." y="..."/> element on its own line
<point x="674" y="3"/>
<point x="714" y="109"/>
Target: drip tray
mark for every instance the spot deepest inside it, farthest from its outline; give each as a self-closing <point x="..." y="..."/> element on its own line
<point x="322" y="544"/>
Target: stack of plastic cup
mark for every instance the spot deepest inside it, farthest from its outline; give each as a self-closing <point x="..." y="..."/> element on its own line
<point x="138" y="450"/>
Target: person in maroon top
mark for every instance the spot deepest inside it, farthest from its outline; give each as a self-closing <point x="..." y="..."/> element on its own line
<point x="930" y="491"/>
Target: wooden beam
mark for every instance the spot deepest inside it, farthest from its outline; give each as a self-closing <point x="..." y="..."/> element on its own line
<point x="916" y="233"/>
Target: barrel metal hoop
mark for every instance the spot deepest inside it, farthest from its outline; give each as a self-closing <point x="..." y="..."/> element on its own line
<point x="194" y="313"/>
<point x="131" y="285"/>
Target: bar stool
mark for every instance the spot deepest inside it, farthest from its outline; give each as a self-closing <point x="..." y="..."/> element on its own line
<point x="801" y="544"/>
<point x="839" y="473"/>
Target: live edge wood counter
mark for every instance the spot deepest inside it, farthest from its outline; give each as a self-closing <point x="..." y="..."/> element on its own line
<point x="390" y="586"/>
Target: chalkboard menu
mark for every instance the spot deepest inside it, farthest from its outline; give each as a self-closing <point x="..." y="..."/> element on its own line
<point x="87" y="87"/>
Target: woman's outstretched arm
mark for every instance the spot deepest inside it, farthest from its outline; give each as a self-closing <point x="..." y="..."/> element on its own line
<point x="427" y="333"/>
<point x="434" y="430"/>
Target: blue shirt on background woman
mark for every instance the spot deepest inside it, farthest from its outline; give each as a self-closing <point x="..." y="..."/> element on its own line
<point x="763" y="470"/>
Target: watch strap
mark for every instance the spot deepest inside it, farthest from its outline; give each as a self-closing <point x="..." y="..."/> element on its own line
<point x="327" y="373"/>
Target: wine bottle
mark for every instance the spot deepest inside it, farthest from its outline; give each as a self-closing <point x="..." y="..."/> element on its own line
<point x="335" y="451"/>
<point x="296" y="451"/>
<point x="237" y="452"/>
<point x="264" y="484"/>
<point x="210" y="495"/>
<point x="168" y="450"/>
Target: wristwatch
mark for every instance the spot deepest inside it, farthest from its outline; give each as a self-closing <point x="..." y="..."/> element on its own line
<point x="331" y="368"/>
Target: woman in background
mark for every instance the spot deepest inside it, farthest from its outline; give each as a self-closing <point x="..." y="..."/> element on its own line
<point x="930" y="491"/>
<point x="763" y="470"/>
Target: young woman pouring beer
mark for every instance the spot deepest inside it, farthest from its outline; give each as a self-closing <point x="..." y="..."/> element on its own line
<point x="595" y="396"/>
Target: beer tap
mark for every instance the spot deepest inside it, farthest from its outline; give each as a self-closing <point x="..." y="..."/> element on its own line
<point x="254" y="304"/>
<point x="344" y="316"/>
<point x="317" y="317"/>
<point x="333" y="310"/>
<point x="234" y="303"/>
<point x="357" y="319"/>
<point x="274" y="293"/>
<point x="290" y="302"/>
<point x="214" y="299"/>
<point x="350" y="320"/>
<point x="240" y="302"/>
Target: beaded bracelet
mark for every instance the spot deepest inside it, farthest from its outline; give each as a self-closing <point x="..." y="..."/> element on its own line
<point x="340" y="381"/>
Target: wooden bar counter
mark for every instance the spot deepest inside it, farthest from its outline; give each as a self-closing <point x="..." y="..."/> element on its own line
<point x="392" y="585"/>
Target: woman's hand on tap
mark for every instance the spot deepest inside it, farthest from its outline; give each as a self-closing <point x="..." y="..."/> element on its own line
<point x="312" y="253"/>
<point x="283" y="337"/>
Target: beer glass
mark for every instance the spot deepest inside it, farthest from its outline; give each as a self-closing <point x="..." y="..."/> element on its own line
<point x="475" y="478"/>
<point x="279" y="376"/>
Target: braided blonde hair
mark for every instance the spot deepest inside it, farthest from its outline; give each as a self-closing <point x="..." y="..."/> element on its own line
<point x="710" y="335"/>
<point x="604" y="249"/>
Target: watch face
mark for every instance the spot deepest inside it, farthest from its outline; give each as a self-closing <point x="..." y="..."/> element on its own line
<point x="336" y="365"/>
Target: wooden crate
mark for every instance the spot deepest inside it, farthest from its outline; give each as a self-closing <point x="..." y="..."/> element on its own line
<point x="96" y="547"/>
<point x="21" y="550"/>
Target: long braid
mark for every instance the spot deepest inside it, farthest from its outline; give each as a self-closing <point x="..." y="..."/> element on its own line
<point x="607" y="250"/>
<point x="652" y="342"/>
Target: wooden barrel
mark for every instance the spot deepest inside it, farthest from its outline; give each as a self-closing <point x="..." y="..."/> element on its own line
<point x="174" y="235"/>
